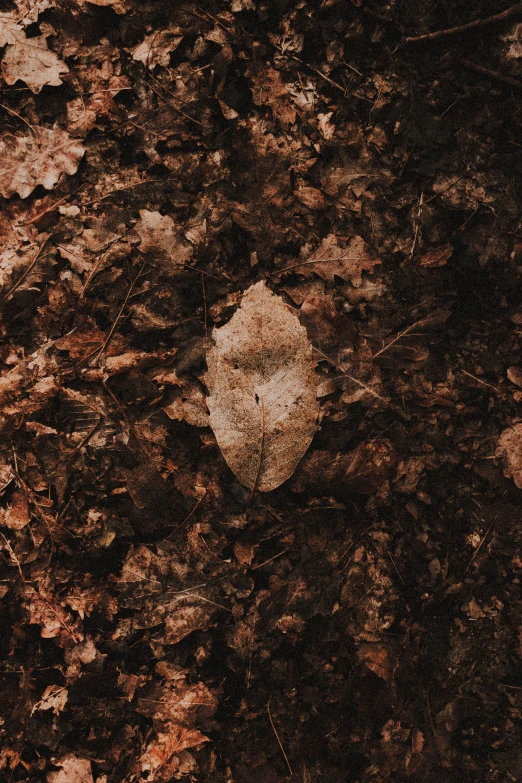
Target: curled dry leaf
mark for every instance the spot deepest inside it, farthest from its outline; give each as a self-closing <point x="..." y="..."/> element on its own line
<point x="28" y="59"/>
<point x="38" y="159"/>
<point x="262" y="403"/>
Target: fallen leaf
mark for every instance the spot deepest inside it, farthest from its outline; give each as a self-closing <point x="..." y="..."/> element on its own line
<point x="38" y="159"/>
<point x="189" y="405"/>
<point x="363" y="470"/>
<point x="158" y="232"/>
<point x="268" y="89"/>
<point x="27" y="59"/>
<point x="377" y="658"/>
<point x="74" y="769"/>
<point x="155" y="49"/>
<point x="45" y="610"/>
<point x="53" y="698"/>
<point x="311" y="197"/>
<point x="160" y="754"/>
<point x="30" y="10"/>
<point x="18" y="515"/>
<point x="437" y="257"/>
<point x="331" y="259"/>
<point x="178" y="701"/>
<point x="509" y="449"/>
<point x="119" y="6"/>
<point x="185" y="614"/>
<point x="262" y="402"/>
<point x="514" y="374"/>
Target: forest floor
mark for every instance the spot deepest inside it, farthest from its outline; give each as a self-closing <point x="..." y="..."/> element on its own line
<point x="362" y="623"/>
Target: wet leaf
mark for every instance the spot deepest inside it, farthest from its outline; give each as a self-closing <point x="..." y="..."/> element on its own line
<point x="262" y="403"/>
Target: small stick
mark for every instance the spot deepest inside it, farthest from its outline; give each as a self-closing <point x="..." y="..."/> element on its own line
<point x="27" y="271"/>
<point x="507" y="14"/>
<point x="492" y="74"/>
<point x="117" y="319"/>
<point x="278" y="740"/>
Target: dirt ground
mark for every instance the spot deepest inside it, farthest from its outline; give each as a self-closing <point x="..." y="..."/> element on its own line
<point x="361" y="623"/>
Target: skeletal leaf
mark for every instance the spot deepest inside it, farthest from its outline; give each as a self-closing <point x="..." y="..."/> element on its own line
<point x="262" y="403"/>
<point x="37" y="159"/>
<point x="28" y="59"/>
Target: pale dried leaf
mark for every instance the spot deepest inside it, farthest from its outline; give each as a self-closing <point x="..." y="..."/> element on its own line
<point x="263" y="405"/>
<point x="53" y="698"/>
<point x="509" y="449"/>
<point x="29" y="10"/>
<point x="159" y="232"/>
<point x="189" y="404"/>
<point x="37" y="159"/>
<point x="268" y="89"/>
<point x="119" y="6"/>
<point x="18" y="514"/>
<point x="28" y="59"/>
<point x="74" y="769"/>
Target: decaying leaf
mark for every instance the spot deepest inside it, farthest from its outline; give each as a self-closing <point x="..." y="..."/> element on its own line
<point x="331" y="259"/>
<point x="155" y="49"/>
<point x="160" y="760"/>
<point x="177" y="700"/>
<point x="268" y="89"/>
<point x="262" y="402"/>
<point x="509" y="449"/>
<point x="363" y="470"/>
<point x="28" y="59"/>
<point x="159" y="233"/>
<point x="37" y="159"/>
<point x="53" y="698"/>
<point x="74" y="769"/>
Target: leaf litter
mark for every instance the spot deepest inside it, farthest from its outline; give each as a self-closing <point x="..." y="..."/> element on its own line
<point x="162" y="166"/>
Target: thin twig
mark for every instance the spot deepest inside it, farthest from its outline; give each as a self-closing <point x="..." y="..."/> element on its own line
<point x="173" y="106"/>
<point x="397" y="338"/>
<point x="492" y="74"/>
<point x="278" y="740"/>
<point x="477" y="550"/>
<point x="27" y="271"/>
<point x="356" y="380"/>
<point x="476" y="24"/>
<point x="122" y="308"/>
<point x="326" y="78"/>
<point x="479" y="380"/>
<point x="97" y="265"/>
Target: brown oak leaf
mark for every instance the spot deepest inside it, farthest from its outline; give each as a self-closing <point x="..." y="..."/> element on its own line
<point x="37" y="159"/>
<point x="28" y="59"/>
<point x="331" y="259"/>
